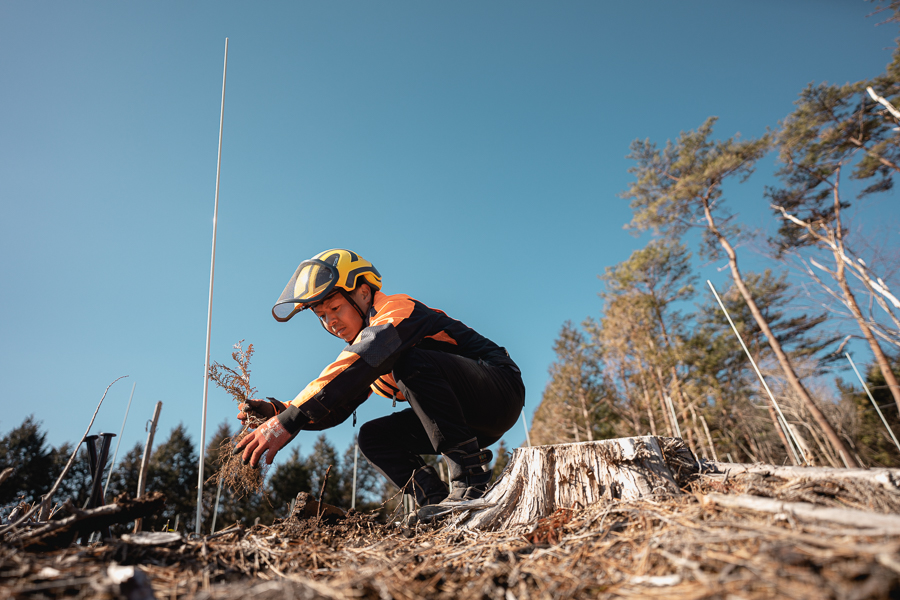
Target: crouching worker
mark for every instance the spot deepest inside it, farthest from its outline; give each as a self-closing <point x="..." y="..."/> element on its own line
<point x="463" y="390"/>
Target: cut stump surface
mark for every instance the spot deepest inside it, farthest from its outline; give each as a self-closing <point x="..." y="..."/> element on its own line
<point x="541" y="479"/>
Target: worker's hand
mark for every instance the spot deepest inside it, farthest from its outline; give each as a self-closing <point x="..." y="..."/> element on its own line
<point x="259" y="409"/>
<point x="269" y="439"/>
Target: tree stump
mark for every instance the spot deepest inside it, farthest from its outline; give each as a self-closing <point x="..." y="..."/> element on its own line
<point x="541" y="479"/>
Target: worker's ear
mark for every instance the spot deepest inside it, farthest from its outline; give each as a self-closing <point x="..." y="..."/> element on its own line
<point x="363" y="295"/>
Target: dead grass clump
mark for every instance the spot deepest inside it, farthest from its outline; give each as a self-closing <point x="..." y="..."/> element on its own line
<point x="233" y="473"/>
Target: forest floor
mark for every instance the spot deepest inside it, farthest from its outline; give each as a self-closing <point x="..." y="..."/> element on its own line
<point x="673" y="546"/>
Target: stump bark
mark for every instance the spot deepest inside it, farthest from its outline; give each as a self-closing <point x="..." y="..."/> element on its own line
<point x="541" y="479"/>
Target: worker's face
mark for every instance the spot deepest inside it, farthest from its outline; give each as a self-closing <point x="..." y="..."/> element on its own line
<point x="339" y="317"/>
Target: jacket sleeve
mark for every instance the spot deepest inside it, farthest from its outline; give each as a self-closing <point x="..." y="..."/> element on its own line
<point x="399" y="324"/>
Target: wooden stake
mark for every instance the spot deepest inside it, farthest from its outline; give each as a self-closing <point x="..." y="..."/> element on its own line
<point x="145" y="461"/>
<point x="355" y="462"/>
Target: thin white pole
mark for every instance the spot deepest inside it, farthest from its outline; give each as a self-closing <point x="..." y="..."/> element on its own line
<point x="875" y="404"/>
<point x="355" y="461"/>
<point x="119" y="441"/>
<point x="212" y="529"/>
<point x="789" y="432"/>
<point x="212" y="272"/>
<point x="525" y="423"/>
<point x="674" y="416"/>
<point x="785" y="426"/>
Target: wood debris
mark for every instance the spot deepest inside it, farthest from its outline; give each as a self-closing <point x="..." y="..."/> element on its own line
<point x="684" y="545"/>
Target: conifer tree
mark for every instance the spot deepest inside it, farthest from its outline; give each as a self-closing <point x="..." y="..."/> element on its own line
<point x="681" y="187"/>
<point x="654" y="278"/>
<point x="234" y="506"/>
<point x="575" y="406"/>
<point x="324" y="455"/>
<point x="173" y="471"/>
<point x="24" y="449"/>
<point x="126" y="474"/>
<point x="723" y="370"/>
<point x="77" y="482"/>
<point x="835" y="130"/>
<point x="289" y="478"/>
<point x="873" y="440"/>
<point x="368" y="481"/>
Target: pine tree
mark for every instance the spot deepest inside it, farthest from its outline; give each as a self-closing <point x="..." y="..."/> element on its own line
<point x="24" y="449"/>
<point x="575" y="405"/>
<point x="173" y="471"/>
<point x="681" y="187"/>
<point x="322" y="456"/>
<point x="835" y="130"/>
<point x="655" y="278"/>
<point x="368" y="481"/>
<point x="872" y="438"/>
<point x="289" y="478"/>
<point x="723" y="372"/>
<point x="77" y="482"/>
<point x="126" y="474"/>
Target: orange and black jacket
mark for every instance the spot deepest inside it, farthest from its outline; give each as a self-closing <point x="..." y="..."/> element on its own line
<point x="394" y="324"/>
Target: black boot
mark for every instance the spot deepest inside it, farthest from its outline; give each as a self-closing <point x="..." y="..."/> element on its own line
<point x="427" y="486"/>
<point x="470" y="472"/>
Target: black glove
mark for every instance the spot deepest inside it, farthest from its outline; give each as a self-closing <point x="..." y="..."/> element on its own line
<point x="260" y="410"/>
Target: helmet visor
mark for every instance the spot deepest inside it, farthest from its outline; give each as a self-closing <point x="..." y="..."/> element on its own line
<point x="312" y="282"/>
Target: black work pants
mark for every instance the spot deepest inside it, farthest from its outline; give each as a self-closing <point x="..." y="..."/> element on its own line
<point x="452" y="400"/>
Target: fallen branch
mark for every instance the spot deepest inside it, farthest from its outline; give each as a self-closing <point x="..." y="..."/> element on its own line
<point x="860" y="519"/>
<point x="59" y="534"/>
<point x="888" y="478"/>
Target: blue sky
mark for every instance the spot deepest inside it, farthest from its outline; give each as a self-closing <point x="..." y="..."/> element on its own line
<point x="474" y="152"/>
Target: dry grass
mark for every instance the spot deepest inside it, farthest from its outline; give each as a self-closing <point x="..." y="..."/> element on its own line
<point x="667" y="546"/>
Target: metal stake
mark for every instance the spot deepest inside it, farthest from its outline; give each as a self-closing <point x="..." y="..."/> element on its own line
<point x="355" y="460"/>
<point x="790" y="434"/>
<point x="865" y="387"/>
<point x="216" y="509"/>
<point x="212" y="272"/>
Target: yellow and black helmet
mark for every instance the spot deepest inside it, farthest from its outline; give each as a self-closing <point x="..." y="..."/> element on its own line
<point x="317" y="278"/>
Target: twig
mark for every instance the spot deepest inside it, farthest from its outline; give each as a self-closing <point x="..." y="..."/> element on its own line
<point x="322" y="493"/>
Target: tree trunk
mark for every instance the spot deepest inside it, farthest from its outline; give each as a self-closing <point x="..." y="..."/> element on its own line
<point x="541" y="479"/>
<point x="880" y="357"/>
<point x="850" y="300"/>
<point x="877" y="523"/>
<point x="783" y="359"/>
<point x="886" y="478"/>
<point x="588" y="424"/>
<point x="676" y="384"/>
<point x="644" y="386"/>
